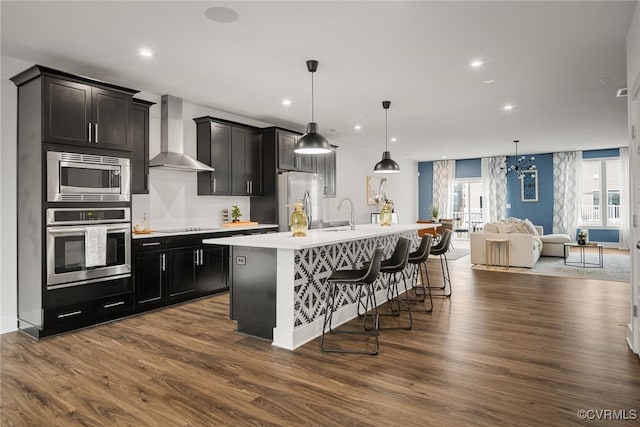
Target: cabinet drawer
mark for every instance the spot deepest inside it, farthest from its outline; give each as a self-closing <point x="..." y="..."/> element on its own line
<point x="67" y="318"/>
<point x="113" y="307"/>
<point x="183" y="241"/>
<point x="150" y="244"/>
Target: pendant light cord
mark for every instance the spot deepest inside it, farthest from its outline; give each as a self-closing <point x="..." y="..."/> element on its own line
<point x="312" y="96"/>
<point x="386" y="129"/>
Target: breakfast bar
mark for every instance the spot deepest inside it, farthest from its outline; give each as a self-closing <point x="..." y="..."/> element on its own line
<point x="277" y="289"/>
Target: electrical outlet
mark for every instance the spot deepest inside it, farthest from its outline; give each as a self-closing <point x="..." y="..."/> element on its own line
<point x="508" y="205"/>
<point x="241" y="260"/>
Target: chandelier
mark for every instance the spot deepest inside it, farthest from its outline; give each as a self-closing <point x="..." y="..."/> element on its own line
<point x="521" y="166"/>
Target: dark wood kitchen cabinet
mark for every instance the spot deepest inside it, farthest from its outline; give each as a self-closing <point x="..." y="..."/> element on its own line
<point x="177" y="268"/>
<point x="214" y="149"/>
<point x="326" y="165"/>
<point x="76" y="110"/>
<point x="235" y="152"/>
<point x="246" y="162"/>
<point x="288" y="159"/>
<point x="140" y="146"/>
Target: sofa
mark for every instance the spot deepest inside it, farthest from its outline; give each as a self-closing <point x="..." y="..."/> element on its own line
<point x="527" y="242"/>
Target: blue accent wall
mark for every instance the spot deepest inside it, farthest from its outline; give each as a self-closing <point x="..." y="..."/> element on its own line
<point x="425" y="189"/>
<point x="468" y="168"/>
<point x="596" y="154"/>
<point x="540" y="212"/>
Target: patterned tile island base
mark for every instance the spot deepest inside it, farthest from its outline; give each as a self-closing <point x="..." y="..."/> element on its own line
<point x="295" y="287"/>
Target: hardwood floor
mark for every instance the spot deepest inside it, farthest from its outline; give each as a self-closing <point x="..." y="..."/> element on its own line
<point x="506" y="349"/>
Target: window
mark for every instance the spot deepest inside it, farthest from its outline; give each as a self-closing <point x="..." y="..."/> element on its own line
<point x="600" y="177"/>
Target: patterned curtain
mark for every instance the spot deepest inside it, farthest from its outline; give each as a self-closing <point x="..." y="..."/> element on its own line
<point x="444" y="172"/>
<point x="625" y="236"/>
<point x="567" y="179"/>
<point x="494" y="182"/>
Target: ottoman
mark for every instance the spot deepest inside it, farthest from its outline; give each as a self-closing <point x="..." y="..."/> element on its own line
<point x="553" y="244"/>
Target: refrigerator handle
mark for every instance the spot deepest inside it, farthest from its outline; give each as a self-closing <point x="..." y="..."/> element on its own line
<point x="307" y="207"/>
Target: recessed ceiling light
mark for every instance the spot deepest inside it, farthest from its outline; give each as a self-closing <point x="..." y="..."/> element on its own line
<point x="444" y="157"/>
<point x="508" y="107"/>
<point x="146" y="53"/>
<point x="394" y="139"/>
<point x="357" y="127"/>
<point x="477" y="63"/>
<point x="488" y="82"/>
<point x="223" y="15"/>
<point x="286" y="102"/>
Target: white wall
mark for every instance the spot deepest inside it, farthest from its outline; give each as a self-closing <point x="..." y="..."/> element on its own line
<point x="172" y="201"/>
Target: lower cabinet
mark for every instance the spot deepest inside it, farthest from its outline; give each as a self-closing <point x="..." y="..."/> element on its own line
<point x="179" y="268"/>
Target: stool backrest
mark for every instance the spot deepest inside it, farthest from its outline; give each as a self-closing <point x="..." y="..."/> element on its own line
<point x="443" y="244"/>
<point x="422" y="253"/>
<point x="374" y="267"/>
<point x="400" y="256"/>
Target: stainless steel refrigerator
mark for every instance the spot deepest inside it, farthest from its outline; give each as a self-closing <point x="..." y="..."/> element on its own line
<point x="307" y="188"/>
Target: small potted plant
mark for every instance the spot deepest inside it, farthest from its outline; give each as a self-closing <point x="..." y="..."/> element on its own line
<point x="235" y="213"/>
<point x="582" y="237"/>
<point x="434" y="212"/>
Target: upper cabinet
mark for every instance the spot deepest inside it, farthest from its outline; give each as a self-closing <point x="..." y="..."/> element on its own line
<point x="77" y="110"/>
<point x="140" y="146"/>
<point x="235" y="152"/>
<point x="326" y="165"/>
<point x="288" y="159"/>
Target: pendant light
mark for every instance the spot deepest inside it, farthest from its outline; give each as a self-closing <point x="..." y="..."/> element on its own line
<point x="386" y="165"/>
<point x="312" y="142"/>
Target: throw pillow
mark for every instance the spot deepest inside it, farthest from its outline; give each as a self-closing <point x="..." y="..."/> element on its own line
<point x="531" y="227"/>
<point x="507" y="228"/>
<point x="491" y="227"/>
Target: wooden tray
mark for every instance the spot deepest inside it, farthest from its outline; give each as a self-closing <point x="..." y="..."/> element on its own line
<point x="239" y="224"/>
<point x="143" y="232"/>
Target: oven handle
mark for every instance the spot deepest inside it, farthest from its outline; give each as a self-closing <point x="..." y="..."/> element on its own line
<point x="75" y="230"/>
<point x="81" y="165"/>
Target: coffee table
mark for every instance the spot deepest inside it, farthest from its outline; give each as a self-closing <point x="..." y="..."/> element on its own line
<point x="583" y="262"/>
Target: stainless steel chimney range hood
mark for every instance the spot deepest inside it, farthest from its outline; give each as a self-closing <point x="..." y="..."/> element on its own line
<point x="172" y="155"/>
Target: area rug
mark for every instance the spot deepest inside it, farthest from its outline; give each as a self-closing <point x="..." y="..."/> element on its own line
<point x="615" y="268"/>
<point x="455" y="254"/>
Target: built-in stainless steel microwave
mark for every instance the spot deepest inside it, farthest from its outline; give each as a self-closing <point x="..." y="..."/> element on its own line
<point x="74" y="177"/>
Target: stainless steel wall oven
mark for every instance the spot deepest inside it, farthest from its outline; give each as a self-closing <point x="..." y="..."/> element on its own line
<point x="75" y="177"/>
<point x="87" y="245"/>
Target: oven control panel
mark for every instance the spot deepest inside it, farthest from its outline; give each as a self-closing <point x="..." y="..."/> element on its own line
<point x="87" y="216"/>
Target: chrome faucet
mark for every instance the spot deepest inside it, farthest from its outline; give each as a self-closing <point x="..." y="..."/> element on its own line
<point x="352" y="223"/>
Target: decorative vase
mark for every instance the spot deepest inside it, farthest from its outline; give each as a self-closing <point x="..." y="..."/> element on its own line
<point x="582" y="241"/>
<point x="385" y="214"/>
<point x="299" y="222"/>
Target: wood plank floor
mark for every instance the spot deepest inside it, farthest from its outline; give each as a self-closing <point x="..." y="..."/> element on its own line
<point x="506" y="349"/>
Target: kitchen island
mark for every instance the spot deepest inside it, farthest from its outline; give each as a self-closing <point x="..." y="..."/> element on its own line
<point x="277" y="281"/>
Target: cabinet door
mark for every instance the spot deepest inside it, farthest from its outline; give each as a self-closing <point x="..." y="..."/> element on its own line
<point x="286" y="155"/>
<point x="111" y="119"/>
<point x="253" y="163"/>
<point x="212" y="274"/>
<point x="149" y="278"/>
<point x="140" y="154"/>
<point x="330" y="173"/>
<point x="181" y="272"/>
<point x="306" y="162"/>
<point x="67" y="112"/>
<point x="239" y="175"/>
<point x="214" y="149"/>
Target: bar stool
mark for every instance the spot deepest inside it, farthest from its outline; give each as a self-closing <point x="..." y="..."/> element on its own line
<point x="441" y="249"/>
<point x="418" y="260"/>
<point x="364" y="279"/>
<point x="395" y="266"/>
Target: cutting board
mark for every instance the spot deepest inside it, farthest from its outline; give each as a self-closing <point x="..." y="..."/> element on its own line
<point x="239" y="224"/>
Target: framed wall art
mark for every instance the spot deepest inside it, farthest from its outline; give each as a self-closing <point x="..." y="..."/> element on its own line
<point x="529" y="186"/>
<point x="376" y="190"/>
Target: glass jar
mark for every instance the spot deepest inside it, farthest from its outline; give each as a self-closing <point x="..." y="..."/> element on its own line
<point x="299" y="223"/>
<point x="385" y="214"/>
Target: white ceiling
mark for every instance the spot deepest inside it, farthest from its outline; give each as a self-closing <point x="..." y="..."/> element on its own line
<point x="559" y="64"/>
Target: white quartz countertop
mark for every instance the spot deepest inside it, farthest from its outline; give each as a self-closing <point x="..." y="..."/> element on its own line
<point x="318" y="237"/>
<point x="203" y="230"/>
